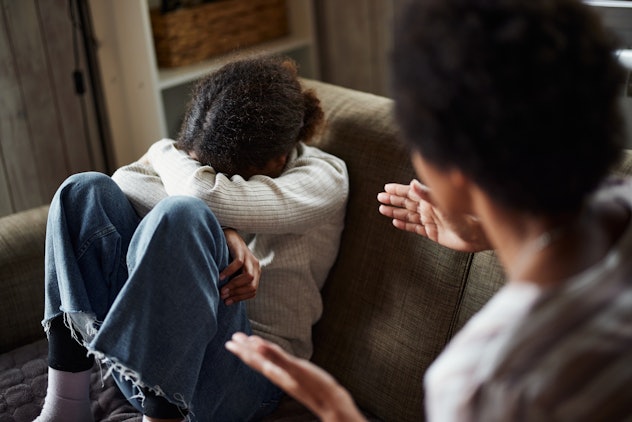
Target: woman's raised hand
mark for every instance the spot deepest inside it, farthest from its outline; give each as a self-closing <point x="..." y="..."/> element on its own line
<point x="411" y="208"/>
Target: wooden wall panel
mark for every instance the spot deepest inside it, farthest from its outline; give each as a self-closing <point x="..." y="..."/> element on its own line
<point x="47" y="158"/>
<point x="47" y="131"/>
<point x="22" y="187"/>
<point x="383" y="11"/>
<point x="355" y="39"/>
<point x="58" y="43"/>
<point x="6" y="68"/>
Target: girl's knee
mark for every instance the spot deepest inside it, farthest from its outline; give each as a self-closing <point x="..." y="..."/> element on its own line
<point x="82" y="184"/>
<point x="88" y="178"/>
<point x="186" y="210"/>
<point x="183" y="207"/>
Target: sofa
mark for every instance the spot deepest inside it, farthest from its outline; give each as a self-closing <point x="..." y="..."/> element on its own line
<point x="391" y="302"/>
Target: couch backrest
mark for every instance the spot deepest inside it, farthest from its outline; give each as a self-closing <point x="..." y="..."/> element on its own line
<point x="393" y="299"/>
<point x="22" y="277"/>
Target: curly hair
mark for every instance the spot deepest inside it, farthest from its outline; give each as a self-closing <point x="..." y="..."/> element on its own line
<point x="520" y="95"/>
<point x="249" y="112"/>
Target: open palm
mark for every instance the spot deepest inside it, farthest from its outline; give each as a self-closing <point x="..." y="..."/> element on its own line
<point x="412" y="209"/>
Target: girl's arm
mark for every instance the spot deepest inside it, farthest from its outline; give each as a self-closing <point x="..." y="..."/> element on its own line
<point x="313" y="188"/>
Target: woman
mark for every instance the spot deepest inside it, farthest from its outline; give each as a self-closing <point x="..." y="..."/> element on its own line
<point x="510" y="108"/>
<point x="148" y="270"/>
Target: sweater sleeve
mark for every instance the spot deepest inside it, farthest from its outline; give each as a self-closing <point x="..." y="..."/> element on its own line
<point x="141" y="185"/>
<point x="312" y="188"/>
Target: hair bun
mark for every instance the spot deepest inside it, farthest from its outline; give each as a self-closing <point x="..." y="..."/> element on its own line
<point x="313" y="117"/>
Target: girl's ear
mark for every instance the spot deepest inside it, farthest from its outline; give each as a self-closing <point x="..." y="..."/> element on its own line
<point x="281" y="161"/>
<point x="273" y="168"/>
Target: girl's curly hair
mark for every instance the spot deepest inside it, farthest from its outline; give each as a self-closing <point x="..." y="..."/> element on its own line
<point x="249" y="112"/>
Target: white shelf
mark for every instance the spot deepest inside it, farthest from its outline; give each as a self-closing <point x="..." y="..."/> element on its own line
<point x="609" y="3"/>
<point x="170" y="77"/>
<point x="144" y="103"/>
<point x="625" y="58"/>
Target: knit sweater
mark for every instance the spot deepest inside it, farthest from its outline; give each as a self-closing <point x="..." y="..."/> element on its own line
<point x="291" y="223"/>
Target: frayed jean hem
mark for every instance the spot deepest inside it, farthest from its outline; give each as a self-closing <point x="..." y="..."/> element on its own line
<point x="83" y="327"/>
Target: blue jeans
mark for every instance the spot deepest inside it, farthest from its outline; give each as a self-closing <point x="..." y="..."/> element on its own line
<point x="144" y="295"/>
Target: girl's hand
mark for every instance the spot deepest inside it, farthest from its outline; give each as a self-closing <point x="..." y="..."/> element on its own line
<point x="412" y="209"/>
<point x="244" y="267"/>
<point x="301" y="379"/>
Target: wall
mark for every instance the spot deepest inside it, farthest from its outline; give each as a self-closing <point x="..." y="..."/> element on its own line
<point x="618" y="17"/>
<point x="354" y="43"/>
<point x="47" y="131"/>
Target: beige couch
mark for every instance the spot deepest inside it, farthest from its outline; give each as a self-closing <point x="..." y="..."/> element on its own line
<point x="392" y="300"/>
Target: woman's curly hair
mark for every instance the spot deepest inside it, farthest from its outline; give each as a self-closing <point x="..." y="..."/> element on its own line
<point x="249" y="112"/>
<point x="520" y="95"/>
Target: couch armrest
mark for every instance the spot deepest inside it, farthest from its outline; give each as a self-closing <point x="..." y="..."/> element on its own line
<point x="22" y="237"/>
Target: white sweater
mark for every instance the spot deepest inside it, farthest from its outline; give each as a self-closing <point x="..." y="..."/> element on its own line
<point x="291" y="223"/>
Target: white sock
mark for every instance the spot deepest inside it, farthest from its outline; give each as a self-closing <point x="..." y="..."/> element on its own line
<point x="67" y="397"/>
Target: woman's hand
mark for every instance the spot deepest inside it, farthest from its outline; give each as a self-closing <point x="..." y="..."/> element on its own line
<point x="411" y="208"/>
<point x="244" y="267"/>
<point x="301" y="379"/>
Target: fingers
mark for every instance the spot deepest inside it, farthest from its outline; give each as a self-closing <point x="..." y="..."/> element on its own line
<point x="410" y="207"/>
<point x="397" y="202"/>
<point x="416" y="228"/>
<point x="403" y="214"/>
<point x="249" y="265"/>
<point x="391" y="199"/>
<point x="419" y="191"/>
<point x="394" y="194"/>
<point x="301" y="379"/>
<point x="403" y="211"/>
<point x="242" y="287"/>
<point x="232" y="298"/>
<point x="264" y="357"/>
<point x="288" y="373"/>
<point x="387" y="211"/>
<point x="404" y="196"/>
<point x="396" y="189"/>
<point x="231" y="269"/>
<point x="406" y="212"/>
<point x="244" y="268"/>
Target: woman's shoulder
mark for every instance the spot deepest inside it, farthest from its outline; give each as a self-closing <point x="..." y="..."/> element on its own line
<point x="617" y="188"/>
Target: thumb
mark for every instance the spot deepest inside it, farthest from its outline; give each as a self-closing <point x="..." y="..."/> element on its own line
<point x="419" y="191"/>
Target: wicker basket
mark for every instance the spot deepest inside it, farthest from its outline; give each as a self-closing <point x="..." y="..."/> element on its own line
<point x="193" y="34"/>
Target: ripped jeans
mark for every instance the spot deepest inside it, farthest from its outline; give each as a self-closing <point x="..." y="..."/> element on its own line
<point x="144" y="295"/>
